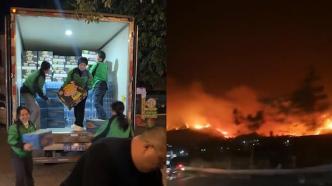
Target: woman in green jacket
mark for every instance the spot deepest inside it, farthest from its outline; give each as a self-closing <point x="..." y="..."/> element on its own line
<point x="81" y="77"/>
<point x="118" y="126"/>
<point x="32" y="86"/>
<point x="21" y="152"/>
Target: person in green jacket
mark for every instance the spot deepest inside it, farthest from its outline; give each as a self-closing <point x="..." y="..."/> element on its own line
<point x="99" y="72"/>
<point x="32" y="86"/>
<point x="21" y="152"/>
<point x="81" y="77"/>
<point x="118" y="126"/>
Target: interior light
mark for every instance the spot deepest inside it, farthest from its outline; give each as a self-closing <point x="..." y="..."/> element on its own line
<point x="68" y="32"/>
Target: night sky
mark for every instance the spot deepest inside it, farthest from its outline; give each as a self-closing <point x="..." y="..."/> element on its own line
<point x="6" y="4"/>
<point x="266" y="45"/>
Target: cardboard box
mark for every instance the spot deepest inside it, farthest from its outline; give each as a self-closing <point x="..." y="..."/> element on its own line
<point x="59" y="79"/>
<point x="38" y="139"/>
<point x="48" y="79"/>
<point x="75" y="137"/>
<point x="30" y="59"/>
<point x="29" y="65"/>
<point x="71" y="62"/>
<point x="58" y="62"/>
<point x="44" y="53"/>
<point x="59" y="57"/>
<point x="55" y="123"/>
<point x="44" y="59"/>
<point x="30" y="53"/>
<point x="55" y="113"/>
<point x="69" y="67"/>
<point x="62" y="75"/>
<point x="28" y="69"/>
<point x="88" y="52"/>
<point x="68" y="58"/>
<point x="75" y="147"/>
<point x="92" y="125"/>
<point x="59" y="70"/>
<point x="71" y="94"/>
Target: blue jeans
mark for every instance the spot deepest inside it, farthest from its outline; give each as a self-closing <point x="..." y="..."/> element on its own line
<point x="99" y="93"/>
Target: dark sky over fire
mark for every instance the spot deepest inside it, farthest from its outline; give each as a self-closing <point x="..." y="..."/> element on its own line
<point x="250" y="66"/>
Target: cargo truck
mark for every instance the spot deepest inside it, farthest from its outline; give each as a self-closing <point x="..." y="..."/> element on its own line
<point x="60" y="37"/>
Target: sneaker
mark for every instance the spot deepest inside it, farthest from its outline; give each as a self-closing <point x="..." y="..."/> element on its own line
<point x="77" y="128"/>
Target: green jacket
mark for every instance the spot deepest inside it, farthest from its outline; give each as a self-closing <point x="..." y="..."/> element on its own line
<point x="84" y="81"/>
<point x="34" y="84"/>
<point x="115" y="130"/>
<point x="100" y="74"/>
<point x="14" y="139"/>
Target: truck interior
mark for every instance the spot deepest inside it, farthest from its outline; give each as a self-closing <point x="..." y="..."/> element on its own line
<point x="57" y="39"/>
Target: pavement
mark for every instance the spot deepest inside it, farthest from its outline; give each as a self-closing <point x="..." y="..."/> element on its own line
<point x="215" y="178"/>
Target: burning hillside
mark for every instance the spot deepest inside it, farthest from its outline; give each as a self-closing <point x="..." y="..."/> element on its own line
<point x="241" y="111"/>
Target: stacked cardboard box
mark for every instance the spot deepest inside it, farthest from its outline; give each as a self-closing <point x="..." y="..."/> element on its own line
<point x="45" y="56"/>
<point x="55" y="115"/>
<point x="27" y="70"/>
<point x="71" y="63"/>
<point x="91" y="55"/>
<point x="59" y="60"/>
<point x="29" y="63"/>
<point x="29" y="58"/>
<point x="58" y="65"/>
<point x="48" y="78"/>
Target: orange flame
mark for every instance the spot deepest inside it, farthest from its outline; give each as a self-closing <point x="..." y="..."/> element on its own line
<point x="193" y="108"/>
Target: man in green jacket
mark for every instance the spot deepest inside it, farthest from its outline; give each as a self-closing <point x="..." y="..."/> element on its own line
<point x="99" y="72"/>
<point x="32" y="86"/>
<point x="81" y="77"/>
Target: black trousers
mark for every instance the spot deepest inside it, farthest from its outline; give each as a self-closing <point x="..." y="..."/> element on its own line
<point x="79" y="111"/>
<point x="23" y="170"/>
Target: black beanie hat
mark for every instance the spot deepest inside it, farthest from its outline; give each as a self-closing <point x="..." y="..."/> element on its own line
<point x="82" y="60"/>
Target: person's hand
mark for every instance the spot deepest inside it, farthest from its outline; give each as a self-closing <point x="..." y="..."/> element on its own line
<point x="27" y="147"/>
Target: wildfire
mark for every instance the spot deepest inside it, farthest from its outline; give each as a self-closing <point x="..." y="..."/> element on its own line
<point x="200" y="126"/>
<point x="326" y="128"/>
<point x="240" y="111"/>
<point x="291" y="129"/>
